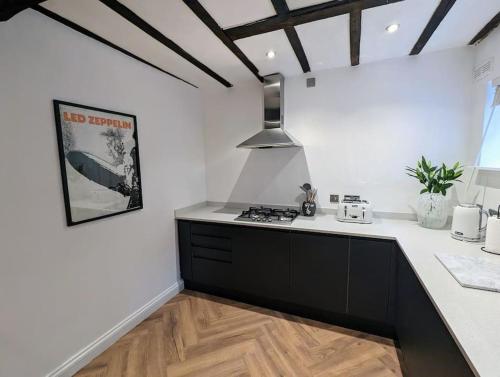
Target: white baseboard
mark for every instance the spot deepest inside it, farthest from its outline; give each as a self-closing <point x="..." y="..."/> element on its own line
<point x="98" y="346"/>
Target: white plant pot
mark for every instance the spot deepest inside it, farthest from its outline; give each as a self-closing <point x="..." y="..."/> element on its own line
<point x="432" y="210"/>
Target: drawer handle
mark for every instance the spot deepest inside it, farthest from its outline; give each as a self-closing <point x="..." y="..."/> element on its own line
<point x="210" y="236"/>
<point x="213" y="248"/>
<point x="213" y="260"/>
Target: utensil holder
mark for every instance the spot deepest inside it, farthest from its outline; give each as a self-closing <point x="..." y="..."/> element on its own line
<point x="308" y="209"/>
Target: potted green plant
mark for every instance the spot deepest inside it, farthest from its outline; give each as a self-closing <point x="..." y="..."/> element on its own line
<point x="432" y="211"/>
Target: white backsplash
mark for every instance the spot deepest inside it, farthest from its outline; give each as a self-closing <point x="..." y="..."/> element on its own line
<point x="359" y="126"/>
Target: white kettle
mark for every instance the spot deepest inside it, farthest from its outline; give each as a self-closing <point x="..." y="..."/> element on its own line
<point x="468" y="223"/>
<point x="492" y="244"/>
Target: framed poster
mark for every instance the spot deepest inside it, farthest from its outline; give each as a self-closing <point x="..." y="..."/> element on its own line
<point x="99" y="157"/>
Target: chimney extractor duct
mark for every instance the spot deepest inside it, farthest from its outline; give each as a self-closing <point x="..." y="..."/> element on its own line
<point x="273" y="135"/>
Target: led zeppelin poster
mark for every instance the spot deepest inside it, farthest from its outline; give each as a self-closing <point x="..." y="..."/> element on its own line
<point x="99" y="156"/>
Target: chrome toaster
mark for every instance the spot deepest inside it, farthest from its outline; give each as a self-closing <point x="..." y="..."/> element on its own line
<point x="354" y="210"/>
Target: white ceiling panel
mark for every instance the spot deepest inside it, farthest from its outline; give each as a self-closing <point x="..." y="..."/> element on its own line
<point x="176" y="21"/>
<point x="229" y="13"/>
<point x="294" y="4"/>
<point x="98" y="18"/>
<point x="378" y="44"/>
<point x="326" y="42"/>
<point x="462" y="23"/>
<point x="256" y="47"/>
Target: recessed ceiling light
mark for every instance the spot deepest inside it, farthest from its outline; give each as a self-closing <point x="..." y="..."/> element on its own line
<point x="392" y="28"/>
<point x="270" y="54"/>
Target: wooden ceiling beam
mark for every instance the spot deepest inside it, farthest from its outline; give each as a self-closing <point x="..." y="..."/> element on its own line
<point x="487" y="29"/>
<point x="98" y="38"/>
<point x="439" y="14"/>
<point x="9" y="8"/>
<point x="303" y="15"/>
<point x="355" y="35"/>
<point x="294" y="40"/>
<point x="208" y="20"/>
<point x="133" y="18"/>
<point x="281" y="7"/>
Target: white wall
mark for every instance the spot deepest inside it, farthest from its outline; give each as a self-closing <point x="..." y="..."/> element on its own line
<point x="61" y="288"/>
<point x="360" y="127"/>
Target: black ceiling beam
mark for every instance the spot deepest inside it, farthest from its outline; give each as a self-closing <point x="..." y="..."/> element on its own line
<point x="133" y="18"/>
<point x="92" y="35"/>
<point x="207" y="19"/>
<point x="439" y="14"/>
<point x="9" y="8"/>
<point x="281" y="8"/>
<point x="294" y="40"/>
<point x="303" y="15"/>
<point x="355" y="35"/>
<point x="487" y="29"/>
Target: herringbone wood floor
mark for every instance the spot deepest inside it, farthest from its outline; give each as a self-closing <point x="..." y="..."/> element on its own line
<point x="200" y="335"/>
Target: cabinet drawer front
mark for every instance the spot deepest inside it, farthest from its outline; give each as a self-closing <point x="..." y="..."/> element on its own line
<point x="212" y="254"/>
<point x="214" y="273"/>
<point x="211" y="242"/>
<point x="214" y="230"/>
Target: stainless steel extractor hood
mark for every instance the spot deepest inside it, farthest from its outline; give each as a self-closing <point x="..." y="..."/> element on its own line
<point x="273" y="135"/>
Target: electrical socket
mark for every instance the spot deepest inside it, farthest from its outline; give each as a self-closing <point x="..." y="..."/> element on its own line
<point x="334" y="198"/>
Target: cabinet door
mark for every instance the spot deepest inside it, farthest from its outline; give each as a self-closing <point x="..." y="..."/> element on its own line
<point x="261" y="260"/>
<point x="319" y="271"/>
<point x="185" y="253"/>
<point x="371" y="279"/>
<point x="428" y="348"/>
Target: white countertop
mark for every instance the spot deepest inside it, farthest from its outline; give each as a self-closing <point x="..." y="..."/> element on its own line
<point x="472" y="316"/>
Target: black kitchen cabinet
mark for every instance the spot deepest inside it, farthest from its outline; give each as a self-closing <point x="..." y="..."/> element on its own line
<point x="365" y="284"/>
<point x="319" y="265"/>
<point x="206" y="255"/>
<point x="261" y="261"/>
<point x="371" y="279"/>
<point x="427" y="347"/>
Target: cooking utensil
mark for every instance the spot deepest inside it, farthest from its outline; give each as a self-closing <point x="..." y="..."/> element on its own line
<point x="313" y="194"/>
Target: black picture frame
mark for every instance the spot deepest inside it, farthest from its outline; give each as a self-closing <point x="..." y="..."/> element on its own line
<point x="135" y="191"/>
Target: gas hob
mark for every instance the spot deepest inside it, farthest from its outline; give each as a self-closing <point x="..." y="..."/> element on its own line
<point x="268" y="215"/>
